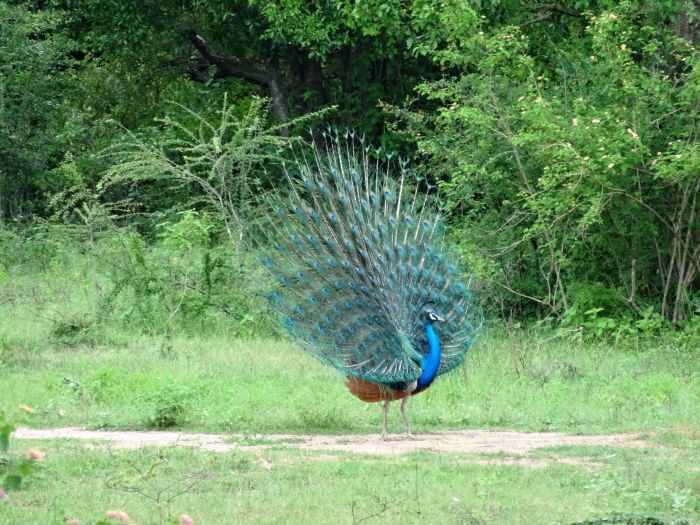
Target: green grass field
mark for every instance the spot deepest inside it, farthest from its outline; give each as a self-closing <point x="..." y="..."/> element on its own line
<point x="214" y="384"/>
<point x="106" y="377"/>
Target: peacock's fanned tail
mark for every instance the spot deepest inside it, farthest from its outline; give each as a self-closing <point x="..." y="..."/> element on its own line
<point x="355" y="255"/>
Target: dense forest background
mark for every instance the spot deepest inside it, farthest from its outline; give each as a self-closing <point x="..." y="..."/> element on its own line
<point x="562" y="140"/>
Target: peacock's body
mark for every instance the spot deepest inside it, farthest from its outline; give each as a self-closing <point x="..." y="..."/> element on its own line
<point x="364" y="279"/>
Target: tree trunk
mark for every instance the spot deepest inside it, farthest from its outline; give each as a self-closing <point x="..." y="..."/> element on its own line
<point x="279" y="101"/>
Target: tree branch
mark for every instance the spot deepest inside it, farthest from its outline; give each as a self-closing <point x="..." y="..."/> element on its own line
<point x="267" y="76"/>
<point x="546" y="12"/>
<point x="228" y="67"/>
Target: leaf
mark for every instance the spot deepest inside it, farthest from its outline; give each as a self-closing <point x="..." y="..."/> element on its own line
<point x="13" y="481"/>
<point x="25" y="468"/>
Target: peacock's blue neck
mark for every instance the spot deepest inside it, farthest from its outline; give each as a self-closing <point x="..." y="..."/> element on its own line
<point x="431" y="362"/>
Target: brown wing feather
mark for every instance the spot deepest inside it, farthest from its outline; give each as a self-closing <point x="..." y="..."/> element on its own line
<point x="372" y="392"/>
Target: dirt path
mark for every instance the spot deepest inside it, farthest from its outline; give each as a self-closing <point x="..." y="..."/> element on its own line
<point x="465" y="441"/>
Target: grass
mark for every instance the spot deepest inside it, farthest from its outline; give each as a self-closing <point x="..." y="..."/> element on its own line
<point x="304" y="487"/>
<point x="74" y="371"/>
<point x="214" y="384"/>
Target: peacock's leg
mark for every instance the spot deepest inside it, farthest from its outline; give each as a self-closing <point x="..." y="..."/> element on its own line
<point x="410" y="388"/>
<point x="407" y="428"/>
<point x="385" y="411"/>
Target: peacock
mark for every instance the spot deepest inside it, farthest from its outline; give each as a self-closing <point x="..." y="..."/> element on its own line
<point x="364" y="278"/>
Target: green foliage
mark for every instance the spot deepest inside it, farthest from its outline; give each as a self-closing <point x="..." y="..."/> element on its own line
<point x="218" y="158"/>
<point x="167" y="407"/>
<point x="33" y="55"/>
<point x="576" y="175"/>
<point x="563" y="139"/>
<point x="13" y="468"/>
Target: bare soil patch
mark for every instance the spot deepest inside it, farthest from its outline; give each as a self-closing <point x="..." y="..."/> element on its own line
<point x="517" y="444"/>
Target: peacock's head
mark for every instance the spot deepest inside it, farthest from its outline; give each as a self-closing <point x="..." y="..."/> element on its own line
<point x="430" y="314"/>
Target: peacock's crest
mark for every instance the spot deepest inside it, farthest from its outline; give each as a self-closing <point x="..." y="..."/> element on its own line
<point x="355" y="255"/>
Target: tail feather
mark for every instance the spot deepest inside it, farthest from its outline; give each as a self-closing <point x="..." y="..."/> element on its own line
<point x="355" y="254"/>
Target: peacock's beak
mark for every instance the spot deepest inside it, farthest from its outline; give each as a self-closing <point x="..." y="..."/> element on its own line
<point x="439" y="318"/>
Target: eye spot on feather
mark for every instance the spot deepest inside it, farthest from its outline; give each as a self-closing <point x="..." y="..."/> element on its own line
<point x="276" y="298"/>
<point x="458" y="288"/>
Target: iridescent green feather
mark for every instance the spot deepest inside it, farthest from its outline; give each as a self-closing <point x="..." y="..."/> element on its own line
<point x="355" y="255"/>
